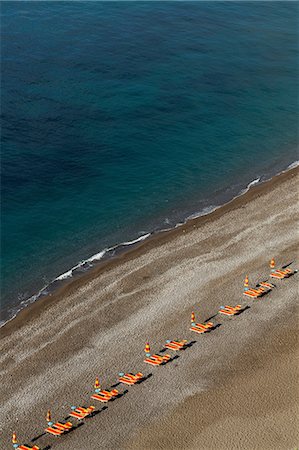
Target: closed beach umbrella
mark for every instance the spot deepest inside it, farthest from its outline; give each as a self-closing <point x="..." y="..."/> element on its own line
<point x="97" y="384"/>
<point x="147" y="349"/>
<point x="246" y="283"/>
<point x="48" y="418"/>
<point x="272" y="264"/>
<point x="192" y="317"/>
<point x="14" y="438"/>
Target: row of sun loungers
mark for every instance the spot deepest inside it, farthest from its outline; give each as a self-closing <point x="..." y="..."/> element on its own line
<point x="104" y="396"/>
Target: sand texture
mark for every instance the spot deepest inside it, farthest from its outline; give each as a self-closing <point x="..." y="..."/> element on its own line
<point x="234" y="388"/>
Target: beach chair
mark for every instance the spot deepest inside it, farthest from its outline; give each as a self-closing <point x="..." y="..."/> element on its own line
<point x="58" y="428"/>
<point x="257" y="292"/>
<point x="157" y="360"/>
<point x="176" y="345"/>
<point x="105" y="396"/>
<point x="25" y="447"/>
<point x="266" y="284"/>
<point x="280" y="274"/>
<point x="81" y="413"/>
<point x="230" y="310"/>
<point x="202" y="327"/>
<point x="130" y="379"/>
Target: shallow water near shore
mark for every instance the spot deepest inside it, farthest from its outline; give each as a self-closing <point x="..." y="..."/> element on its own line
<point x="120" y="119"/>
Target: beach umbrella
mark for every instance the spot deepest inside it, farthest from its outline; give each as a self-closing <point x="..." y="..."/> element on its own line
<point x="14" y="438"/>
<point x="97" y="384"/>
<point x="192" y="317"/>
<point x="48" y="417"/>
<point x="147" y="349"/>
<point x="246" y="283"/>
<point x="272" y="264"/>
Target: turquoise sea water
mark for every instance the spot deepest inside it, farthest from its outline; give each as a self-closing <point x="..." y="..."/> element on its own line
<point x="120" y="118"/>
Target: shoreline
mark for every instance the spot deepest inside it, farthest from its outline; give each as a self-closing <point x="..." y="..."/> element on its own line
<point x="35" y="308"/>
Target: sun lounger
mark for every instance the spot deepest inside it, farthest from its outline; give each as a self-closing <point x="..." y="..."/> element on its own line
<point x="59" y="428"/>
<point x="130" y="379"/>
<point x="257" y="292"/>
<point x="230" y="310"/>
<point x="202" y="327"/>
<point x="25" y="447"/>
<point x="176" y="345"/>
<point x="105" y="396"/>
<point x="233" y="308"/>
<point x="53" y="431"/>
<point x="198" y="330"/>
<point x="266" y="284"/>
<point x="227" y="312"/>
<point x="157" y="360"/>
<point x="281" y="273"/>
<point x="81" y="413"/>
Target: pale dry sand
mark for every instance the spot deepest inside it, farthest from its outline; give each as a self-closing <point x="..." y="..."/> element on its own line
<point x="236" y="387"/>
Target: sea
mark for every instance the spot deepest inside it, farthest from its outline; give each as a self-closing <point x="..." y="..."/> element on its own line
<point x="121" y="119"/>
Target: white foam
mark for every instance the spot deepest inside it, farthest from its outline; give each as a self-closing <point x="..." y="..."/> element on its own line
<point x="204" y="212"/>
<point x="249" y="185"/>
<point x="141" y="238"/>
<point x="97" y="256"/>
<point x="252" y="183"/>
<point x="65" y="275"/>
<point x="69" y="273"/>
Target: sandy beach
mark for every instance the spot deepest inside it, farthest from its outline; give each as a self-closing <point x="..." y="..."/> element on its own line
<point x="234" y="388"/>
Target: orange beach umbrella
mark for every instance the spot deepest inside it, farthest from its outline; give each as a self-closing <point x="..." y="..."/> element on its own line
<point x="97" y="383"/>
<point x="14" y="438"/>
<point x="147" y="348"/>
<point x="272" y="263"/>
<point x="48" y="418"/>
<point x="246" y="282"/>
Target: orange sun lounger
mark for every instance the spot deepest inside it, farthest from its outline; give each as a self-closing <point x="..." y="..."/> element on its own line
<point x="59" y="428"/>
<point x="266" y="284"/>
<point x="257" y="292"/>
<point x="176" y="345"/>
<point x="230" y="310"/>
<point x="105" y="396"/>
<point x="281" y="273"/>
<point x="25" y="447"/>
<point x="80" y="412"/>
<point x="202" y="327"/>
<point x="129" y="378"/>
<point x="157" y="360"/>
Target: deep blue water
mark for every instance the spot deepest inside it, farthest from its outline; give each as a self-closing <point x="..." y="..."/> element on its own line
<point x="120" y="118"/>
